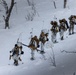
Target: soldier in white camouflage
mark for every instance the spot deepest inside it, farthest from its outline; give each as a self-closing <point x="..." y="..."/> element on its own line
<point x="54" y="30"/>
<point x="33" y="45"/>
<point x="62" y="28"/>
<point x="72" y="22"/>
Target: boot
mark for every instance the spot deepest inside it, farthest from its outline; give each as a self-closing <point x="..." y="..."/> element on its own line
<point x="42" y="52"/>
<point x="15" y="62"/>
<point x="69" y="33"/>
<point x="32" y="58"/>
<point x="72" y="32"/>
<point x="62" y="38"/>
<point x="10" y="57"/>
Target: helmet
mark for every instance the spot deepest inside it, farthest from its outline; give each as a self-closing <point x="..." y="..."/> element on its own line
<point x="55" y="23"/>
<point x="22" y="52"/>
<point x="15" y="45"/>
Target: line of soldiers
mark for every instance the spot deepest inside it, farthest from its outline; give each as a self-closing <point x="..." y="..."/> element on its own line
<point x="36" y="42"/>
<point x="62" y="27"/>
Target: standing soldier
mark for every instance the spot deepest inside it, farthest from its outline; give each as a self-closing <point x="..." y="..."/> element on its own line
<point x="16" y="54"/>
<point x="62" y="28"/>
<point x="33" y="45"/>
<point x="43" y="38"/>
<point x="54" y="31"/>
<point x="72" y="23"/>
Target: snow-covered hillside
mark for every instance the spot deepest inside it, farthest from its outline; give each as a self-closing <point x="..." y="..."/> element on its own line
<point x="19" y="27"/>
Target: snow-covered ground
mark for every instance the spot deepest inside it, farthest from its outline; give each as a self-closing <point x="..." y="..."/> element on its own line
<point x="19" y="27"/>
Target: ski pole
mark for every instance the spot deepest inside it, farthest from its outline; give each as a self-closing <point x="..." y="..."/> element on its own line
<point x="43" y="24"/>
<point x="19" y="37"/>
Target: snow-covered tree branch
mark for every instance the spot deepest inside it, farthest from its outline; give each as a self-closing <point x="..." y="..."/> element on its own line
<point x="31" y="14"/>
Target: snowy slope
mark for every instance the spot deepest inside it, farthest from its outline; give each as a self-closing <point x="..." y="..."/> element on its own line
<point x="65" y="62"/>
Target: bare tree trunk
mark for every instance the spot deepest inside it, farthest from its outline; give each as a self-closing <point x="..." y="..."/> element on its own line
<point x="8" y="14"/>
<point x="65" y="2"/>
<point x="54" y="4"/>
<point x="74" y="73"/>
<point x="29" y="3"/>
<point x="6" y="23"/>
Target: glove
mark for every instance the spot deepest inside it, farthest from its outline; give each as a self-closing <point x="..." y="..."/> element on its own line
<point x="10" y="51"/>
<point x="22" y="52"/>
<point x="47" y="39"/>
<point x="68" y="27"/>
<point x="38" y="46"/>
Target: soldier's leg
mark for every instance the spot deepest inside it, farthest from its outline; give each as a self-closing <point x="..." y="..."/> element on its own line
<point x="42" y="48"/>
<point x="10" y="57"/>
<point x="15" y="58"/>
<point x="15" y="62"/>
<point x="62" y="34"/>
<point x="32" y="54"/>
<point x="52" y="37"/>
<point x="72" y="29"/>
<point x="55" y="38"/>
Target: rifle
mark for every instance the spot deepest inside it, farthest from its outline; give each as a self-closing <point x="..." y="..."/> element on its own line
<point x="28" y="46"/>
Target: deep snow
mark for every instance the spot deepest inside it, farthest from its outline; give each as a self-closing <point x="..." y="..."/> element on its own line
<point x="65" y="62"/>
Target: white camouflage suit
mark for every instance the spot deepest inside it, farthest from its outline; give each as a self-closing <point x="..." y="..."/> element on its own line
<point x="43" y="38"/>
<point x="71" y="28"/>
<point x="54" y="34"/>
<point x="34" y="43"/>
<point x="62" y="29"/>
<point x="16" y="56"/>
